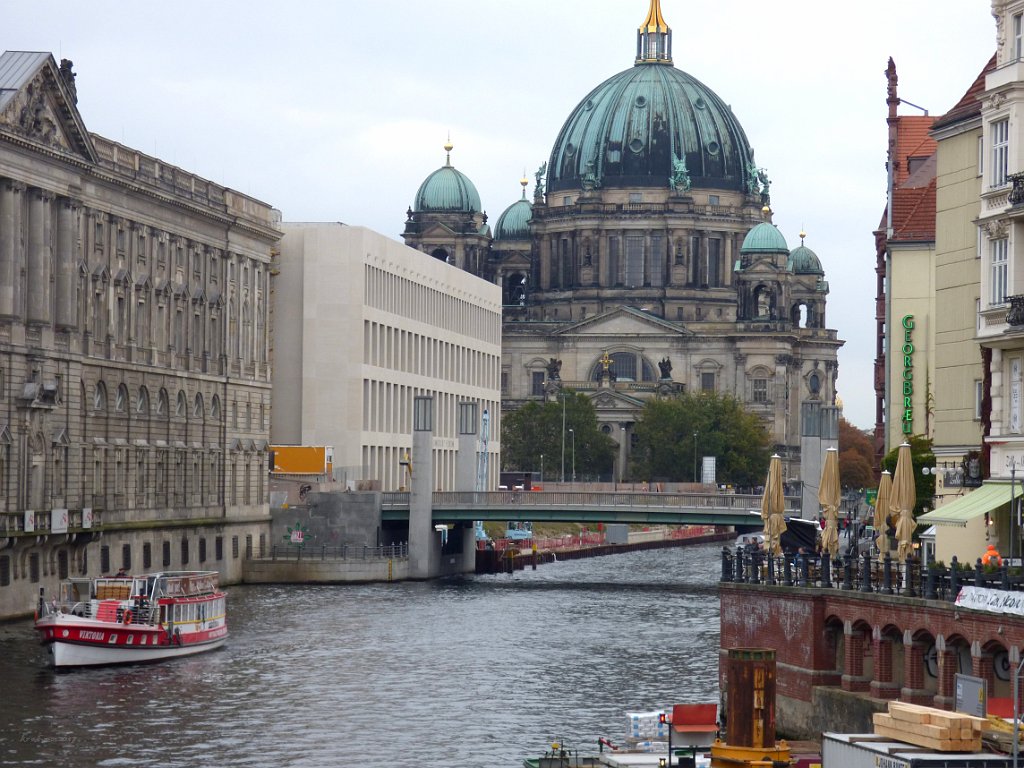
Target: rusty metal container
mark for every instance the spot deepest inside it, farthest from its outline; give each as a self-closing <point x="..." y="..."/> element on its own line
<point x="750" y="688"/>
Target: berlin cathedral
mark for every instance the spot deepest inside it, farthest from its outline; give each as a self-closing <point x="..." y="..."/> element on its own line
<point x="645" y="263"/>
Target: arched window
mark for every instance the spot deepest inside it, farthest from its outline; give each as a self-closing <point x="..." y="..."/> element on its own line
<point x="161" y="404"/>
<point x="121" y="399"/>
<point x="197" y="409"/>
<point x="215" y="408"/>
<point x="440" y="254"/>
<point x="142" y="404"/>
<point x="181" y="406"/>
<point x="625" y="366"/>
<point x="99" y="397"/>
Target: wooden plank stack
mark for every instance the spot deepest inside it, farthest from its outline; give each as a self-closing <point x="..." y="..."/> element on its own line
<point x="930" y="728"/>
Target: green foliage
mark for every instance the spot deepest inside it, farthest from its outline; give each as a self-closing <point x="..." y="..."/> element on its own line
<point x="535" y="430"/>
<point x="922" y="456"/>
<point x="665" y="442"/>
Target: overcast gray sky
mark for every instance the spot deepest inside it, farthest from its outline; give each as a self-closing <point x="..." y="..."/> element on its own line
<point x="336" y="111"/>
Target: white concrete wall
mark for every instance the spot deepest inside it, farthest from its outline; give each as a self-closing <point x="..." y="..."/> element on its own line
<point x="378" y="323"/>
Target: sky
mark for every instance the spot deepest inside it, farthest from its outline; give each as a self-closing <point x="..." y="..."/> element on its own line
<point x="336" y="110"/>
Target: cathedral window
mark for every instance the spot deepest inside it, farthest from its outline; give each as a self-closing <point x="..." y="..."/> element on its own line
<point x="536" y="383"/>
<point x="633" y="268"/>
<point x="759" y="391"/>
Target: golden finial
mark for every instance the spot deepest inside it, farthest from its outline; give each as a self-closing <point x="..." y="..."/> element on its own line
<point x="606" y="361"/>
<point x="654" y="38"/>
<point x="524" y="182"/>
<point x="448" y="146"/>
<point x="802" y="235"/>
<point x="654" y="22"/>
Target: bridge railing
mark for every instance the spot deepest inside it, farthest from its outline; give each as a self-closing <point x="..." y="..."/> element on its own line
<point x="589" y="499"/>
<point x="342" y="552"/>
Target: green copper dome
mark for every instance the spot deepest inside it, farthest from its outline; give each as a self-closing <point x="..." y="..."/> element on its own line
<point x="514" y="222"/>
<point x="628" y="131"/>
<point x="764" y="238"/>
<point x="447" y="190"/>
<point x="804" y="261"/>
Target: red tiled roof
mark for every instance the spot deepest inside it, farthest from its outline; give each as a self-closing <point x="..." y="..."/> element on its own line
<point x="913" y="203"/>
<point x="969" y="105"/>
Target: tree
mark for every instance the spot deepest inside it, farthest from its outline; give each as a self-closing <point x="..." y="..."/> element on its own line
<point x="922" y="456"/>
<point x="535" y="430"/>
<point x="856" y="457"/>
<point x="672" y="436"/>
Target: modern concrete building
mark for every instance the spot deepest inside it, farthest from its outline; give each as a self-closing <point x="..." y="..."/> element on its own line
<point x="134" y="374"/>
<point x="361" y="325"/>
<point x="648" y="244"/>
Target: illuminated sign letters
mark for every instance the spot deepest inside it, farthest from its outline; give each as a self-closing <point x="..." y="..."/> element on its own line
<point x="908" y="375"/>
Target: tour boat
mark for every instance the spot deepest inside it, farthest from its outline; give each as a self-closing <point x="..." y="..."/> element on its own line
<point x="132" y="619"/>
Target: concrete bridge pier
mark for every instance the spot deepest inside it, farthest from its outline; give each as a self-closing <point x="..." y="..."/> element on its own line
<point x="424" y="541"/>
<point x="467" y="468"/>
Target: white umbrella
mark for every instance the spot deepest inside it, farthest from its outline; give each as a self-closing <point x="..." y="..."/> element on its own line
<point x="828" y="497"/>
<point x="773" y="506"/>
<point x="902" y="501"/>
<point x="882" y="511"/>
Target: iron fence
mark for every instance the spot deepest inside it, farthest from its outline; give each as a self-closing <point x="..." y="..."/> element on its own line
<point x="864" y="573"/>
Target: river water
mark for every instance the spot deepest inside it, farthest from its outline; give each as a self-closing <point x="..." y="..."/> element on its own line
<point x="477" y="671"/>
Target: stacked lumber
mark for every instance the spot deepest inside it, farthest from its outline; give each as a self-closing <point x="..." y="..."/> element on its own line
<point x="931" y="728"/>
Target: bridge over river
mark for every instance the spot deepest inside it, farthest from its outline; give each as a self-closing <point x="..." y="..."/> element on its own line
<point x="645" y="508"/>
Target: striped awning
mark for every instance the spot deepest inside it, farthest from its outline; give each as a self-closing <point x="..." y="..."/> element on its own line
<point x="988" y="497"/>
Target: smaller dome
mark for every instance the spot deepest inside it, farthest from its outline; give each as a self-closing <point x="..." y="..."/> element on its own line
<point x="764" y="238"/>
<point x="447" y="190"/>
<point x="514" y="222"/>
<point x="804" y="261"/>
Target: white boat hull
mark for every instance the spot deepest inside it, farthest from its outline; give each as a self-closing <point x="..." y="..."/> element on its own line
<point x="78" y="655"/>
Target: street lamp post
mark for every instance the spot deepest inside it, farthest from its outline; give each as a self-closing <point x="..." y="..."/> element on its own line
<point x="542" y="469"/>
<point x="572" y="433"/>
<point x="695" y="456"/>
<point x="562" y="395"/>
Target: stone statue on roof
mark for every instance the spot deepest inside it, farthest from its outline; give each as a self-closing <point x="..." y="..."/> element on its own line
<point x="752" y="185"/>
<point x="762" y="176"/>
<point x="539" y="176"/>
<point x="680" y="179"/>
<point x="666" y="368"/>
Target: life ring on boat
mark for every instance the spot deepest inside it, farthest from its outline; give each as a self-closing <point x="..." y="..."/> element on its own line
<point x="127" y="618"/>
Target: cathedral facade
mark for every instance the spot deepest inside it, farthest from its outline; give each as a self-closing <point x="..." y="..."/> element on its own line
<point x="646" y="263"/>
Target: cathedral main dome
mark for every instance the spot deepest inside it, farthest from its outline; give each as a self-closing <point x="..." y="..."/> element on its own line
<point x="630" y="129"/>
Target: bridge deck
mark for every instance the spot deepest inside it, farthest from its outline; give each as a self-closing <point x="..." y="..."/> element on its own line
<point x="589" y="507"/>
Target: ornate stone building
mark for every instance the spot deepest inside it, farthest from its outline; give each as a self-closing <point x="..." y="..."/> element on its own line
<point x="648" y="240"/>
<point x="134" y="374"/>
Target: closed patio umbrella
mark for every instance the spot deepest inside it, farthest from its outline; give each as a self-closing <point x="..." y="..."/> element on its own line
<point x="902" y="501"/>
<point x="828" y="497"/>
<point x="773" y="506"/>
<point x="881" y="521"/>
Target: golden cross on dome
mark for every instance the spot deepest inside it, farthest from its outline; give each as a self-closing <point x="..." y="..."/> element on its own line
<point x="606" y="361"/>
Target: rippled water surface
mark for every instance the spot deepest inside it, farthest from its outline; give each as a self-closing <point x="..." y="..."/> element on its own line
<point x="479" y="671"/>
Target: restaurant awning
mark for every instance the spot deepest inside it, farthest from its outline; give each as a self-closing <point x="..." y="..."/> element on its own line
<point x="976" y="503"/>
